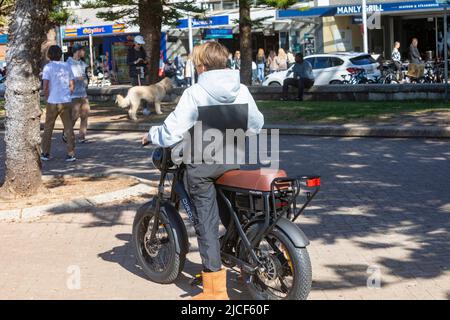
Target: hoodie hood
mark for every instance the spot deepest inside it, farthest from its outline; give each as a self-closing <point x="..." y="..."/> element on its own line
<point x="223" y="85"/>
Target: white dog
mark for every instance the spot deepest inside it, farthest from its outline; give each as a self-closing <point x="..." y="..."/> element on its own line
<point x="152" y="94"/>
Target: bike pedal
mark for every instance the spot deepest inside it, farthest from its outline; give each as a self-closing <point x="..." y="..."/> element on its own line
<point x="196" y="281"/>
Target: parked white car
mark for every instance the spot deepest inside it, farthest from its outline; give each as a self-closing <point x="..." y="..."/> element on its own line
<point x="329" y="68"/>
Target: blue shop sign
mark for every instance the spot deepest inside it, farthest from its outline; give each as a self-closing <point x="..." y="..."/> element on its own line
<point x="86" y="31"/>
<point x="3" y="38"/>
<point x="357" y="9"/>
<point x="211" y="21"/>
<point x="218" y="33"/>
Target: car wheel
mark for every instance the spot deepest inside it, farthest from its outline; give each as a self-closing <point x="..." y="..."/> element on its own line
<point x="336" y="82"/>
<point x="274" y="84"/>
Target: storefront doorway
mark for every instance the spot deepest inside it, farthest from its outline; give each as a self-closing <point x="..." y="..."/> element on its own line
<point x="424" y="29"/>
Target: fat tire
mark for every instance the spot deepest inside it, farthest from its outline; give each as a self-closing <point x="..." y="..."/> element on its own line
<point x="302" y="266"/>
<point x="178" y="259"/>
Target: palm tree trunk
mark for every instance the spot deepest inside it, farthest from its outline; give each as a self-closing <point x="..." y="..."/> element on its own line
<point x="150" y="22"/>
<point x="27" y="32"/>
<point x="245" y="34"/>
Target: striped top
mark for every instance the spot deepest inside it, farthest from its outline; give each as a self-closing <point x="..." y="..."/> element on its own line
<point x="396" y="56"/>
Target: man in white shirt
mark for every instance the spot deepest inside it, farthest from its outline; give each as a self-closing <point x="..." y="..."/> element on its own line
<point x="80" y="102"/>
<point x="58" y="87"/>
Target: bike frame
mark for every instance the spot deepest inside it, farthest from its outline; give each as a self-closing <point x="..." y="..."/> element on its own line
<point x="271" y="214"/>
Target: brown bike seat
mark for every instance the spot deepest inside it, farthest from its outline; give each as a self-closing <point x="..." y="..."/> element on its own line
<point x="259" y="179"/>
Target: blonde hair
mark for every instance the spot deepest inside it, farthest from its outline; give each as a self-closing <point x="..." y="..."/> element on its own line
<point x="282" y="54"/>
<point x="261" y="53"/>
<point x="211" y="55"/>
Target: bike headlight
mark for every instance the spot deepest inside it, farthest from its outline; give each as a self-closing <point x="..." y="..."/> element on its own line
<point x="161" y="158"/>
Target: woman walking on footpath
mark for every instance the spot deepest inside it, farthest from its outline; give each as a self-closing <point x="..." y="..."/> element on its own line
<point x="272" y="62"/>
<point x="260" y="64"/>
<point x="59" y="85"/>
<point x="80" y="102"/>
<point x="281" y="60"/>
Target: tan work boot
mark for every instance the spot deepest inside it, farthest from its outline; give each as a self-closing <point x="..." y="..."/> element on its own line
<point x="214" y="286"/>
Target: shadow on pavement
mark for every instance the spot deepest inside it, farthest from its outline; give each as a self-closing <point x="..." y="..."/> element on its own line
<point x="389" y="195"/>
<point x="124" y="256"/>
<point x="380" y="194"/>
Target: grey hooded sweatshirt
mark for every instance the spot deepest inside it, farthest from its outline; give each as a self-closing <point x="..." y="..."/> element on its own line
<point x="216" y="87"/>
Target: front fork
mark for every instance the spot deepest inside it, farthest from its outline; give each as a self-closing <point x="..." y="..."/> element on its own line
<point x="151" y="234"/>
<point x="178" y="195"/>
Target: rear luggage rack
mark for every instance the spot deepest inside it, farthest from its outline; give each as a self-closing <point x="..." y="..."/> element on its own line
<point x="287" y="190"/>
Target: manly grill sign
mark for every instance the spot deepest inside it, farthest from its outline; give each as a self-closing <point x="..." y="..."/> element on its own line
<point x="357" y="9"/>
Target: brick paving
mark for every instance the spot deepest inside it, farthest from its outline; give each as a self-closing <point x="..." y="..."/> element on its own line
<point x="384" y="209"/>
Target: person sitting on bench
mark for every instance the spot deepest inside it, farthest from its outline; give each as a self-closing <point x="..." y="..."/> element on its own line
<point x="303" y="77"/>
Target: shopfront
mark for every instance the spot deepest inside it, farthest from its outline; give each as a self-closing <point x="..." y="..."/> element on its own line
<point x="110" y="44"/>
<point x="387" y="22"/>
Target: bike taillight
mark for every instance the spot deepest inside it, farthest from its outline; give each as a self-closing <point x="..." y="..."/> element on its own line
<point x="313" y="182"/>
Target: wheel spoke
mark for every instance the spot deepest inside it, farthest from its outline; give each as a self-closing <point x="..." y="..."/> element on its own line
<point x="159" y="246"/>
<point x="283" y="286"/>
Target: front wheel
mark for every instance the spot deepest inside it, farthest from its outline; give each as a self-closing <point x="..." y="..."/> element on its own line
<point x="287" y="271"/>
<point x="161" y="258"/>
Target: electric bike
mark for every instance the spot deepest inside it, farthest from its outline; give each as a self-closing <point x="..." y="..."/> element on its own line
<point x="258" y="209"/>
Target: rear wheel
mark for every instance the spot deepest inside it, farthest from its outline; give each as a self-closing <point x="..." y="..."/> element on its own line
<point x="161" y="258"/>
<point x="287" y="271"/>
<point x="336" y="82"/>
<point x="274" y="84"/>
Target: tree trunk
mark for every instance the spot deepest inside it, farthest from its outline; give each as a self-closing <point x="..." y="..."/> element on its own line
<point x="27" y="31"/>
<point x="150" y="22"/>
<point x="245" y="34"/>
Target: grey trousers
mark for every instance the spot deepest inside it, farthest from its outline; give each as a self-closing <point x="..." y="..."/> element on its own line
<point x="199" y="184"/>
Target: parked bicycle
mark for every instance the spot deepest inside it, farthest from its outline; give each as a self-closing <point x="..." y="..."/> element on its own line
<point x="389" y="73"/>
<point x="356" y="76"/>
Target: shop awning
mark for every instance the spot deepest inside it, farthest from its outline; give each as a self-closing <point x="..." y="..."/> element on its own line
<point x="351" y="10"/>
<point x="227" y="19"/>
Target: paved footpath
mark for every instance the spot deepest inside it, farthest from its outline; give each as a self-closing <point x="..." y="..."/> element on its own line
<point x="382" y="217"/>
